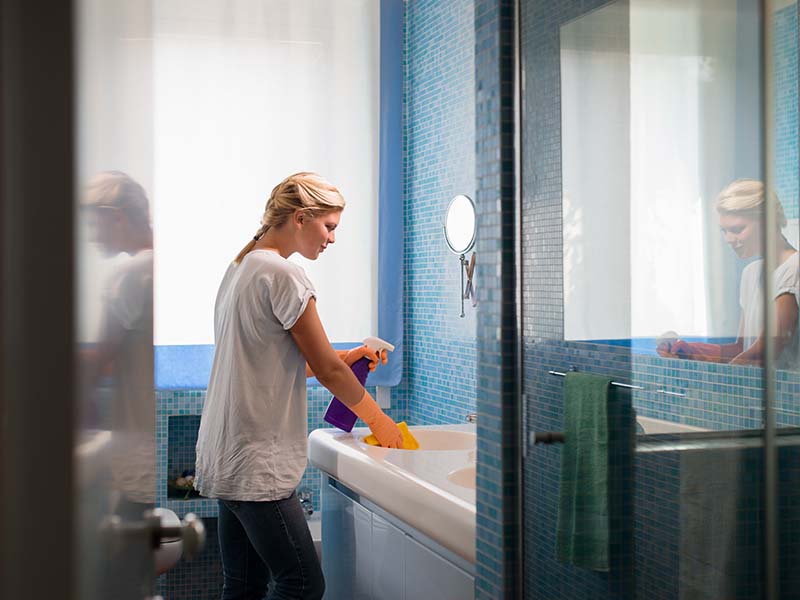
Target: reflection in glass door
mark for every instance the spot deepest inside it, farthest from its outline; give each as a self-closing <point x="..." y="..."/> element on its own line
<point x="115" y="437"/>
<point x="659" y="192"/>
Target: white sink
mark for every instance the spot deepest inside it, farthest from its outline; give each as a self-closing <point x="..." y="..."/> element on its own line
<point x="442" y="439"/>
<point x="465" y="477"/>
<point x="649" y="425"/>
<point x="414" y="486"/>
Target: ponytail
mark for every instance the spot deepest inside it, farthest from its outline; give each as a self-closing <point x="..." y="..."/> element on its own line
<point x="251" y="244"/>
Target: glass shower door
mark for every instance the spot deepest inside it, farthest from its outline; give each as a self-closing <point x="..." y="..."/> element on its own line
<point x="659" y="170"/>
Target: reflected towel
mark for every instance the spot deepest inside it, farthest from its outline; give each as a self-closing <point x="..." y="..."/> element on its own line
<point x="714" y="508"/>
<point x="582" y="533"/>
<point x="409" y="441"/>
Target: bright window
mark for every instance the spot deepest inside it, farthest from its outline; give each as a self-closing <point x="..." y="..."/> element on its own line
<point x="245" y="94"/>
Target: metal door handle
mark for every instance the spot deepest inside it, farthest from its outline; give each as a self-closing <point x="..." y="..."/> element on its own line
<point x="160" y="526"/>
<point x="190" y="530"/>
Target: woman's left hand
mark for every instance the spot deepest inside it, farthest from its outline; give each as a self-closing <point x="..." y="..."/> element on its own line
<point x="374" y="356"/>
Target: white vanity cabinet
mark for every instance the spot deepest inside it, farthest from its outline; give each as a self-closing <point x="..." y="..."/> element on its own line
<point x="365" y="556"/>
<point x="429" y="575"/>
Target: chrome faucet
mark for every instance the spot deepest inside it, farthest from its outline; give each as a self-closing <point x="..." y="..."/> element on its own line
<point x="305" y="502"/>
<point x="472" y="418"/>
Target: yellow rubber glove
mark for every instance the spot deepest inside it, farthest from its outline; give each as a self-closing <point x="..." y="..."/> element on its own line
<point x="379" y="423"/>
<point x="354" y="354"/>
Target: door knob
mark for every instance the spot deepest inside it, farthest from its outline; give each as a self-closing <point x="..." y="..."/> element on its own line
<point x="160" y="526"/>
<point x="190" y="531"/>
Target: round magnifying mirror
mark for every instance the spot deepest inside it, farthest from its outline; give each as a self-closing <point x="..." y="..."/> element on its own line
<point x="459" y="225"/>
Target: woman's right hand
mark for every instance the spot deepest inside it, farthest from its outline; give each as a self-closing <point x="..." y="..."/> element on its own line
<point x="693" y="351"/>
<point x="386" y="430"/>
<point x="674" y="349"/>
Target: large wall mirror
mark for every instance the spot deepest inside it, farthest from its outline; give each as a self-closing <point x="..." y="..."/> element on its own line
<point x="660" y="112"/>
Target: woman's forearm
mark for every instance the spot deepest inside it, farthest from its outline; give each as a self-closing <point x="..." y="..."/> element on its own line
<point x="729" y="351"/>
<point x="342" y="383"/>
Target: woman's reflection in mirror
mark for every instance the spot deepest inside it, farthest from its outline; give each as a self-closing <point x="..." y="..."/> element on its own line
<point x="741" y="208"/>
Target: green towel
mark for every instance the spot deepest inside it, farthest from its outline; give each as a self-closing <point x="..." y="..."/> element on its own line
<point x="582" y="533"/>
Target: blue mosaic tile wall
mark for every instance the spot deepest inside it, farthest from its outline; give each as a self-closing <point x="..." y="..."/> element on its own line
<point x="700" y="394"/>
<point x="439" y="382"/>
<point x="498" y="525"/>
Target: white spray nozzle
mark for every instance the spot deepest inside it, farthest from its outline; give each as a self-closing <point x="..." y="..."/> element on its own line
<point x="377" y="344"/>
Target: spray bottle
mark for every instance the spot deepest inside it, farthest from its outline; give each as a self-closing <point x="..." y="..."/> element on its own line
<point x="337" y="413"/>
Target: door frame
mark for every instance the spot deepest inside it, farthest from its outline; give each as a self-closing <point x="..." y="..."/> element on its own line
<point x="37" y="357"/>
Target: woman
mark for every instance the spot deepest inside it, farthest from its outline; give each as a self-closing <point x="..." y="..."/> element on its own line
<point x="251" y="447"/>
<point x="741" y="208"/>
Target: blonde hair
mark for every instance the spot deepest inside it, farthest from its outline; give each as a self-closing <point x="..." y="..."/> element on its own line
<point x="746" y="197"/>
<point x="304" y="191"/>
<point x="115" y="189"/>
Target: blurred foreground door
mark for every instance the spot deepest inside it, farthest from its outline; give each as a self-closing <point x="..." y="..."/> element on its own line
<point x="77" y="452"/>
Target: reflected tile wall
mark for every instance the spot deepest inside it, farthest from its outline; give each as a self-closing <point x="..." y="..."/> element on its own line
<point x="787" y="133"/>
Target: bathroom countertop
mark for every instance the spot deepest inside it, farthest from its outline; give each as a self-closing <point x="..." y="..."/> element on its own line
<point x="410" y="484"/>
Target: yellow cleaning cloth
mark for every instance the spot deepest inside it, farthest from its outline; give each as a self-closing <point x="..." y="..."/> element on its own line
<point x="409" y="442"/>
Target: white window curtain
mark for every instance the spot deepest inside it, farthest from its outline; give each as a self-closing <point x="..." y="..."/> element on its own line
<point x="244" y="94"/>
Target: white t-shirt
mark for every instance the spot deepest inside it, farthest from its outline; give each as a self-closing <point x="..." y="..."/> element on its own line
<point x="253" y="432"/>
<point x="786" y="280"/>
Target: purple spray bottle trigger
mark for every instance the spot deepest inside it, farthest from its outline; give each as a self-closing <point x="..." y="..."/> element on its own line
<point x="337" y="413"/>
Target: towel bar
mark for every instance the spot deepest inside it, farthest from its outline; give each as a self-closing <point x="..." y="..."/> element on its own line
<point x="625" y="385"/>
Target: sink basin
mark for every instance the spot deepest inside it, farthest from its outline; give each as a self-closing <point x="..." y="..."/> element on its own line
<point x="465" y="477"/>
<point x="442" y="439"/>
<point x="411" y="485"/>
<point x="646" y="425"/>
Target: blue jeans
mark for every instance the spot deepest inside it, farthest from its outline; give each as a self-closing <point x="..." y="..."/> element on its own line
<point x="259" y="540"/>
